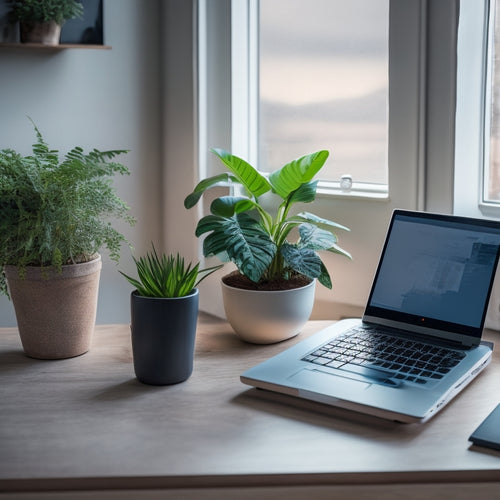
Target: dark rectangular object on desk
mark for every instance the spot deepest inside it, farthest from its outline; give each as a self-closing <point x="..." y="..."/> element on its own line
<point x="488" y="433"/>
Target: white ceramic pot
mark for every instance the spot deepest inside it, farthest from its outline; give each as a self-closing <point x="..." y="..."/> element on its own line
<point x="266" y="317"/>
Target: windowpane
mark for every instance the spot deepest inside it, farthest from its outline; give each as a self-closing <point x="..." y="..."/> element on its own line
<point x="492" y="168"/>
<point x="324" y="85"/>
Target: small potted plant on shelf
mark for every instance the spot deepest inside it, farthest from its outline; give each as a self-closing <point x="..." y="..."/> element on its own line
<point x="164" y="314"/>
<point x="40" y="21"/>
<point x="55" y="216"/>
<point x="270" y="296"/>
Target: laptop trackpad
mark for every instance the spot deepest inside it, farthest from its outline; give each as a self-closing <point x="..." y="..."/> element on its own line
<point x="321" y="381"/>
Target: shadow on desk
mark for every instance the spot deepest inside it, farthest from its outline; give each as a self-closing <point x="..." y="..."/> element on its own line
<point x="129" y="390"/>
<point x="481" y="449"/>
<point x="15" y="360"/>
<point x="325" y="416"/>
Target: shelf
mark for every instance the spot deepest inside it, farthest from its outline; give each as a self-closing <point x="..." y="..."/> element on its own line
<point x="61" y="46"/>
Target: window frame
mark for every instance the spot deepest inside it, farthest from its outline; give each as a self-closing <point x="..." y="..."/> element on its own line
<point x="425" y="29"/>
<point x="472" y="133"/>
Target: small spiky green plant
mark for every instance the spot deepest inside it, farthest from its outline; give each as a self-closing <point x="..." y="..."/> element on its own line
<point x="166" y="276"/>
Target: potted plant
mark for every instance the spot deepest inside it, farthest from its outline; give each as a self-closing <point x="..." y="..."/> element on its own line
<point x="54" y="219"/>
<point x="164" y="314"/>
<point x="271" y="295"/>
<point x="40" y="21"/>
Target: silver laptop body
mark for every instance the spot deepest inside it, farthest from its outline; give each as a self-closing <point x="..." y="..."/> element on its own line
<point x="419" y="341"/>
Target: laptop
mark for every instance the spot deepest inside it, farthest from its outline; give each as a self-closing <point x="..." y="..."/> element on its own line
<point x="418" y="343"/>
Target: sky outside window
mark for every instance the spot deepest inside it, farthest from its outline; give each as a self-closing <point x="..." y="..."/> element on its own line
<point x="324" y="85"/>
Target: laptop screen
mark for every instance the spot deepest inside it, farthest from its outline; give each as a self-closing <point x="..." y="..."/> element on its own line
<point x="436" y="272"/>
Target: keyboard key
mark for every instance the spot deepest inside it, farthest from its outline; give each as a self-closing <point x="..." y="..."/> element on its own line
<point x="334" y="364"/>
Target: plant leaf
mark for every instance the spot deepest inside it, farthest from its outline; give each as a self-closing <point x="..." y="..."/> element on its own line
<point x="336" y="249"/>
<point x="204" y="273"/>
<point x="315" y="238"/>
<point x="306" y="193"/>
<point x="316" y="220"/>
<point x="324" y="277"/>
<point x="248" y="176"/>
<point x="224" y="179"/>
<point x="227" y="206"/>
<point x="207" y="224"/>
<point x="292" y="175"/>
<point x="302" y="260"/>
<point x="242" y="238"/>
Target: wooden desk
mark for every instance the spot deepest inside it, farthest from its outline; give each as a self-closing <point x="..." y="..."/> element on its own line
<point x="87" y="424"/>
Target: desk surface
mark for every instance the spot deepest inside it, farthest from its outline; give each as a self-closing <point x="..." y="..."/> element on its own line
<point x="86" y="422"/>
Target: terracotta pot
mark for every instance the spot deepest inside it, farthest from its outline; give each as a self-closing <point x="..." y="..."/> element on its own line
<point x="163" y="337"/>
<point x="47" y="33"/>
<point x="266" y="317"/>
<point x="55" y="311"/>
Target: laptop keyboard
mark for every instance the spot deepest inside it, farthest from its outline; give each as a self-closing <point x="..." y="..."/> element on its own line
<point x="369" y="350"/>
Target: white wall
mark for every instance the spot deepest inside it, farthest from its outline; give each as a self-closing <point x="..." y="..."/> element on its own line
<point x="108" y="99"/>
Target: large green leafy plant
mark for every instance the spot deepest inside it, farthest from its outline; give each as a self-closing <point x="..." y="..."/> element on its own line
<point x="45" y="10"/>
<point x="56" y="212"/>
<point x="166" y="276"/>
<point x="239" y="229"/>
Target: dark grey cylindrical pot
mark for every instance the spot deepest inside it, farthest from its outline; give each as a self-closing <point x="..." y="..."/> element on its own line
<point x="163" y="336"/>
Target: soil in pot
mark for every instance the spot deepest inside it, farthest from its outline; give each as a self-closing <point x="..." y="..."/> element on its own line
<point x="237" y="280"/>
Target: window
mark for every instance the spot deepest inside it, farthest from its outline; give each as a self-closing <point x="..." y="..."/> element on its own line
<point x="475" y="175"/>
<point x="477" y="143"/>
<point x="491" y="177"/>
<point x="323" y="84"/>
<point x="420" y="111"/>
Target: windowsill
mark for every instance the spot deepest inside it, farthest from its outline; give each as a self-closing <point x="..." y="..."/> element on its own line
<point x="358" y="190"/>
<point x="490" y="210"/>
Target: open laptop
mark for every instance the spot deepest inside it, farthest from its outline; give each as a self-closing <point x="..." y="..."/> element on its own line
<point x="419" y="341"/>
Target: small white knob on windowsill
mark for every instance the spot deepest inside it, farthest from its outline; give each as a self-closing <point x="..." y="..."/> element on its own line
<point x="346" y="183"/>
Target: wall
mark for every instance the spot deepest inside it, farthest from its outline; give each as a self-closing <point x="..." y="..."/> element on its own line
<point x="108" y="99"/>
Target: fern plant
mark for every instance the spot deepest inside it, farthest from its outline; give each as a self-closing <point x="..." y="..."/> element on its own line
<point x="166" y="276"/>
<point x="56" y="212"/>
<point x="240" y="230"/>
<point x="45" y="10"/>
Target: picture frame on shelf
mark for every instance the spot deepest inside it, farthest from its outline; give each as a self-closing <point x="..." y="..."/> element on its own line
<point x="89" y="29"/>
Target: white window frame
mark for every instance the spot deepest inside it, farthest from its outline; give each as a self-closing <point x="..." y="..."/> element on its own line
<point x="431" y="105"/>
<point x="475" y="35"/>
<point x="407" y="137"/>
<point x="489" y="40"/>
